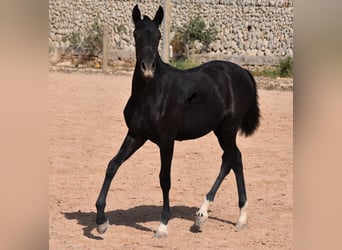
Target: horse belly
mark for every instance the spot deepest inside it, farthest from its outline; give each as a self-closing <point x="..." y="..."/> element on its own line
<point x="199" y="120"/>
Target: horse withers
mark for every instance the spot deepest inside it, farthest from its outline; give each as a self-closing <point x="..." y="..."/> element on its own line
<point x="168" y="104"/>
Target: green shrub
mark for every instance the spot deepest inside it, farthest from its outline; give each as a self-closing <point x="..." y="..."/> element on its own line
<point x="286" y="67"/>
<point x="91" y="45"/>
<point x="93" y="40"/>
<point x="184" y="64"/>
<point x="186" y="36"/>
<point x="283" y="69"/>
<point x="74" y="40"/>
<point x="268" y="72"/>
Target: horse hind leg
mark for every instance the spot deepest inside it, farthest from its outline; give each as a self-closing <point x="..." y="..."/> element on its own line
<point x="202" y="214"/>
<point x="231" y="159"/>
<point x="240" y="182"/>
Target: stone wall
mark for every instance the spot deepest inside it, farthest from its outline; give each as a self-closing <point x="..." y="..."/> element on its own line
<point x="248" y="28"/>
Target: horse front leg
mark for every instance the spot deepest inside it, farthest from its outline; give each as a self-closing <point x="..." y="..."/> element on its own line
<point x="166" y="152"/>
<point x="129" y="146"/>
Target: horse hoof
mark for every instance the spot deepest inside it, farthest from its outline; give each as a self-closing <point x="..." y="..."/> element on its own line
<point x="240" y="225"/>
<point x="195" y="229"/>
<point x="103" y="227"/>
<point x="160" y="235"/>
<point x="201" y="218"/>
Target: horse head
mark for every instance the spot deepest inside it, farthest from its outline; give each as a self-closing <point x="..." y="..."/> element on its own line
<point x="147" y="36"/>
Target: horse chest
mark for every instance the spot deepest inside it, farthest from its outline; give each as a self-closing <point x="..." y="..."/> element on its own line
<point x="144" y="117"/>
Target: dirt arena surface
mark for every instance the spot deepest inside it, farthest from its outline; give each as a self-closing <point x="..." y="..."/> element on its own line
<point x="86" y="129"/>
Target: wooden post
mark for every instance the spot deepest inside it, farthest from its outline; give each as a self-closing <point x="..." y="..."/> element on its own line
<point x="105" y="47"/>
<point x="166" y="35"/>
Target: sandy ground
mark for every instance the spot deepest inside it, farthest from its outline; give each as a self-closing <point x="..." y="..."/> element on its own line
<point x="86" y="128"/>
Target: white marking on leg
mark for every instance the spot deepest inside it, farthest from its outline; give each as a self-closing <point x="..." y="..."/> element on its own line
<point x="205" y="205"/>
<point x="243" y="216"/>
<point x="162" y="231"/>
<point x="103" y="227"/>
<point x="202" y="214"/>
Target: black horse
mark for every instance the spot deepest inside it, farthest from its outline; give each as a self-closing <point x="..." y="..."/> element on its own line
<point x="167" y="104"/>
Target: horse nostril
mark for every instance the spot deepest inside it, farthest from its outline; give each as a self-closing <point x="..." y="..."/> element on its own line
<point x="143" y="65"/>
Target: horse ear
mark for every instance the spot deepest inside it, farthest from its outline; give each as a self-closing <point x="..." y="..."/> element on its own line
<point x="159" y="16"/>
<point x="136" y="14"/>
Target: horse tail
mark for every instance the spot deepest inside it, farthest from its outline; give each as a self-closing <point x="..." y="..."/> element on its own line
<point x="251" y="119"/>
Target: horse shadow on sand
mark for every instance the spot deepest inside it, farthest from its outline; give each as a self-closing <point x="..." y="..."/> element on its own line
<point x="133" y="217"/>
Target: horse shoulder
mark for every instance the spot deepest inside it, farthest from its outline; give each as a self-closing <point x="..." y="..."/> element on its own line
<point x="133" y="117"/>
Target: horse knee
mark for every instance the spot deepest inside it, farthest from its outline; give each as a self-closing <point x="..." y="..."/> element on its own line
<point x="237" y="160"/>
<point x="225" y="169"/>
<point x="111" y="169"/>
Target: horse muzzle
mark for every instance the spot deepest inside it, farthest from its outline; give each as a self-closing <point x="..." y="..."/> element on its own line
<point x="148" y="69"/>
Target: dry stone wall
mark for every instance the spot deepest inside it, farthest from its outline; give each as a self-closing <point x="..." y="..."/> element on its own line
<point x="258" y="28"/>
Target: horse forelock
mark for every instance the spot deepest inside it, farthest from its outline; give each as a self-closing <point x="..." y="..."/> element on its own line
<point x="147" y="18"/>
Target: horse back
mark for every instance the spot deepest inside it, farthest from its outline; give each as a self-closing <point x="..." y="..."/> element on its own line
<point x="208" y="94"/>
